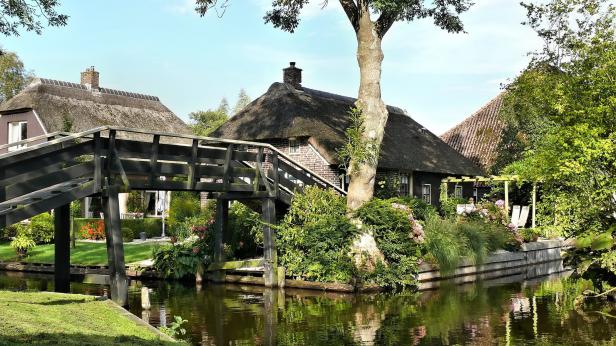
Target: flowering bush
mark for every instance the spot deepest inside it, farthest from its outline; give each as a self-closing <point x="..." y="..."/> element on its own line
<point x="93" y="230"/>
<point x="416" y="232"/>
<point x="487" y="212"/>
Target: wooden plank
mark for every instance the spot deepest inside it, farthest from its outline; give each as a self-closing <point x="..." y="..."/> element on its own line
<point x="62" y="155"/>
<point x="111" y="158"/>
<point x="36" y="208"/>
<point x="251" y="263"/>
<point x="264" y="181"/>
<point x="226" y="178"/>
<point x="41" y="182"/>
<point x="274" y="174"/>
<point x="98" y="164"/>
<point x="154" y="160"/>
<point x="297" y="174"/>
<point x="192" y="175"/>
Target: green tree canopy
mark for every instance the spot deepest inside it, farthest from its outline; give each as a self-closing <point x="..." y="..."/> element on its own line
<point x="205" y="122"/>
<point x="13" y="75"/>
<point x="561" y="118"/>
<point x="371" y="20"/>
<point x="31" y="15"/>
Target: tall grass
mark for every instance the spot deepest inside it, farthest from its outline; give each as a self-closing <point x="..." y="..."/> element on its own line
<point x="449" y="241"/>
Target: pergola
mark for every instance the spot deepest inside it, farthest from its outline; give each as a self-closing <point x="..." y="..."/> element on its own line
<point x="506" y="179"/>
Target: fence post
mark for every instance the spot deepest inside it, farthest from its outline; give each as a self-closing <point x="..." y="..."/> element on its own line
<point x="222" y="220"/>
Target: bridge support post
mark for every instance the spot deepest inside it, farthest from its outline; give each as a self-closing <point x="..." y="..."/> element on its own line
<point x="270" y="259"/>
<point x="115" y="247"/>
<point x="62" y="252"/>
<point x="222" y="223"/>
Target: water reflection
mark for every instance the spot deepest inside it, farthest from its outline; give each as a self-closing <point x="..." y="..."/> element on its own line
<point x="539" y="312"/>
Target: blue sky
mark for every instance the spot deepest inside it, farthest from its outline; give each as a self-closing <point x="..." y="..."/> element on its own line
<point x="162" y="48"/>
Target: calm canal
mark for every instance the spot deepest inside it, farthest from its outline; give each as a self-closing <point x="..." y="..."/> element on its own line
<point x="538" y="312"/>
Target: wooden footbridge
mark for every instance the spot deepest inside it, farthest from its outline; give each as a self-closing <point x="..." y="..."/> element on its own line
<point x="58" y="168"/>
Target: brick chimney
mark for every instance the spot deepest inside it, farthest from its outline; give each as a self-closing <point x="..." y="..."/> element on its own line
<point x="292" y="75"/>
<point x="89" y="78"/>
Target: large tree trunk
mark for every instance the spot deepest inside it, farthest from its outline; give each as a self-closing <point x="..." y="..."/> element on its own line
<point x="369" y="57"/>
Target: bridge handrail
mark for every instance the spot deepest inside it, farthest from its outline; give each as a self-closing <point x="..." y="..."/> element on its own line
<point x="72" y="136"/>
<point x="34" y="139"/>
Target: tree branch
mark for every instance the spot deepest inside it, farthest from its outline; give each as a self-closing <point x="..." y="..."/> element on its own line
<point x="352" y="12"/>
<point x="384" y="23"/>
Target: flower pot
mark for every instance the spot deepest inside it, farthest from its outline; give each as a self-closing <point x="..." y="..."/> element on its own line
<point x="143" y="236"/>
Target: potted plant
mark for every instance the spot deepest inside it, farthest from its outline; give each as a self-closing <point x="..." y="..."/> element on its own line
<point x="22" y="244"/>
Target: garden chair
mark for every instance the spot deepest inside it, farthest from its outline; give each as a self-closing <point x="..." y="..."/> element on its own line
<point x="515" y="215"/>
<point x="523" y="217"/>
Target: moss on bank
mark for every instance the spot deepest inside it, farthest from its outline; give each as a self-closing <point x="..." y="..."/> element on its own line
<point x="67" y="319"/>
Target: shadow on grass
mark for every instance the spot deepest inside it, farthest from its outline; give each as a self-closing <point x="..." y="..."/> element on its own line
<point x="77" y="339"/>
<point x="49" y="303"/>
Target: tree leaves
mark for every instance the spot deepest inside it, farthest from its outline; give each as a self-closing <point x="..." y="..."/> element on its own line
<point x="27" y="14"/>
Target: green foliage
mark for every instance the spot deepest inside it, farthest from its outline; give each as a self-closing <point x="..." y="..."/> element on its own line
<point x="387" y="187"/>
<point x="205" y="122"/>
<point x="75" y="209"/>
<point x="28" y="14"/>
<point x="22" y="244"/>
<point x="183" y="205"/>
<point x="398" y="235"/>
<point x="151" y="226"/>
<point x="421" y="210"/>
<point x="315" y="236"/>
<point x="561" y="118"/>
<point x="245" y="233"/>
<point x="127" y="234"/>
<point x="448" y="241"/>
<point x="41" y="228"/>
<point x="449" y="205"/>
<point x="13" y="75"/>
<point x="176" y="329"/>
<point x="357" y="149"/>
<point x="136" y="203"/>
<point x="176" y="261"/>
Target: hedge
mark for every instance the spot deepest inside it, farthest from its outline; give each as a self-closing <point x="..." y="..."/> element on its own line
<point x="151" y="226"/>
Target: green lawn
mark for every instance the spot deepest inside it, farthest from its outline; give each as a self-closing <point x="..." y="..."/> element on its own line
<point x="84" y="254"/>
<point x="68" y="319"/>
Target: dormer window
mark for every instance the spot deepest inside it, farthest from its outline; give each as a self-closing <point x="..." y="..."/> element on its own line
<point x="18" y="131"/>
<point x="293" y="146"/>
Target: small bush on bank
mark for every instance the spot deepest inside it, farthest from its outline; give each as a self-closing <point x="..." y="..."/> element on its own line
<point x="176" y="261"/>
<point x="42" y="228"/>
<point x="183" y="205"/>
<point x="245" y="234"/>
<point x="314" y="238"/>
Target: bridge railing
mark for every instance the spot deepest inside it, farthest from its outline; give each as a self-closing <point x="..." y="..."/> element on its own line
<point x="81" y="164"/>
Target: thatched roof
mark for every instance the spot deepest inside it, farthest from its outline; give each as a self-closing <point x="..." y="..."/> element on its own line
<point x="284" y="112"/>
<point x="56" y="102"/>
<point x="478" y="136"/>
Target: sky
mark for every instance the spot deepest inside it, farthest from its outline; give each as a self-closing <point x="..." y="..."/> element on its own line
<point x="163" y="48"/>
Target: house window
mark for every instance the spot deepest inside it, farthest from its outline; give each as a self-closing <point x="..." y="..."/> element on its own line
<point x="293" y="146"/>
<point x="404" y="185"/>
<point x="18" y="131"/>
<point x="426" y="193"/>
<point x="457" y="193"/>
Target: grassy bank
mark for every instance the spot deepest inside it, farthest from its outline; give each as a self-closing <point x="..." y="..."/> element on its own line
<point x="85" y="253"/>
<point x="67" y="319"/>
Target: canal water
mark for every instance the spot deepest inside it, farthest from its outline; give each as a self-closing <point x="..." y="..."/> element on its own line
<point x="536" y="312"/>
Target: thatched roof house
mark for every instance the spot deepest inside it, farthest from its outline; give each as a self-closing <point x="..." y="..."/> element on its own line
<point x="479" y="135"/>
<point x="48" y="105"/>
<point x="311" y="124"/>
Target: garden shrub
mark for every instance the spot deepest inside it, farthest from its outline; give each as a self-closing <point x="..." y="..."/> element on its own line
<point x="443" y="245"/>
<point x="127" y="234"/>
<point x="42" y="228"/>
<point x="183" y="205"/>
<point x="314" y="238"/>
<point x="245" y="232"/>
<point x="449" y="206"/>
<point x="421" y="210"/>
<point x="153" y="227"/>
<point x="176" y="261"/>
<point x="135" y="203"/>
